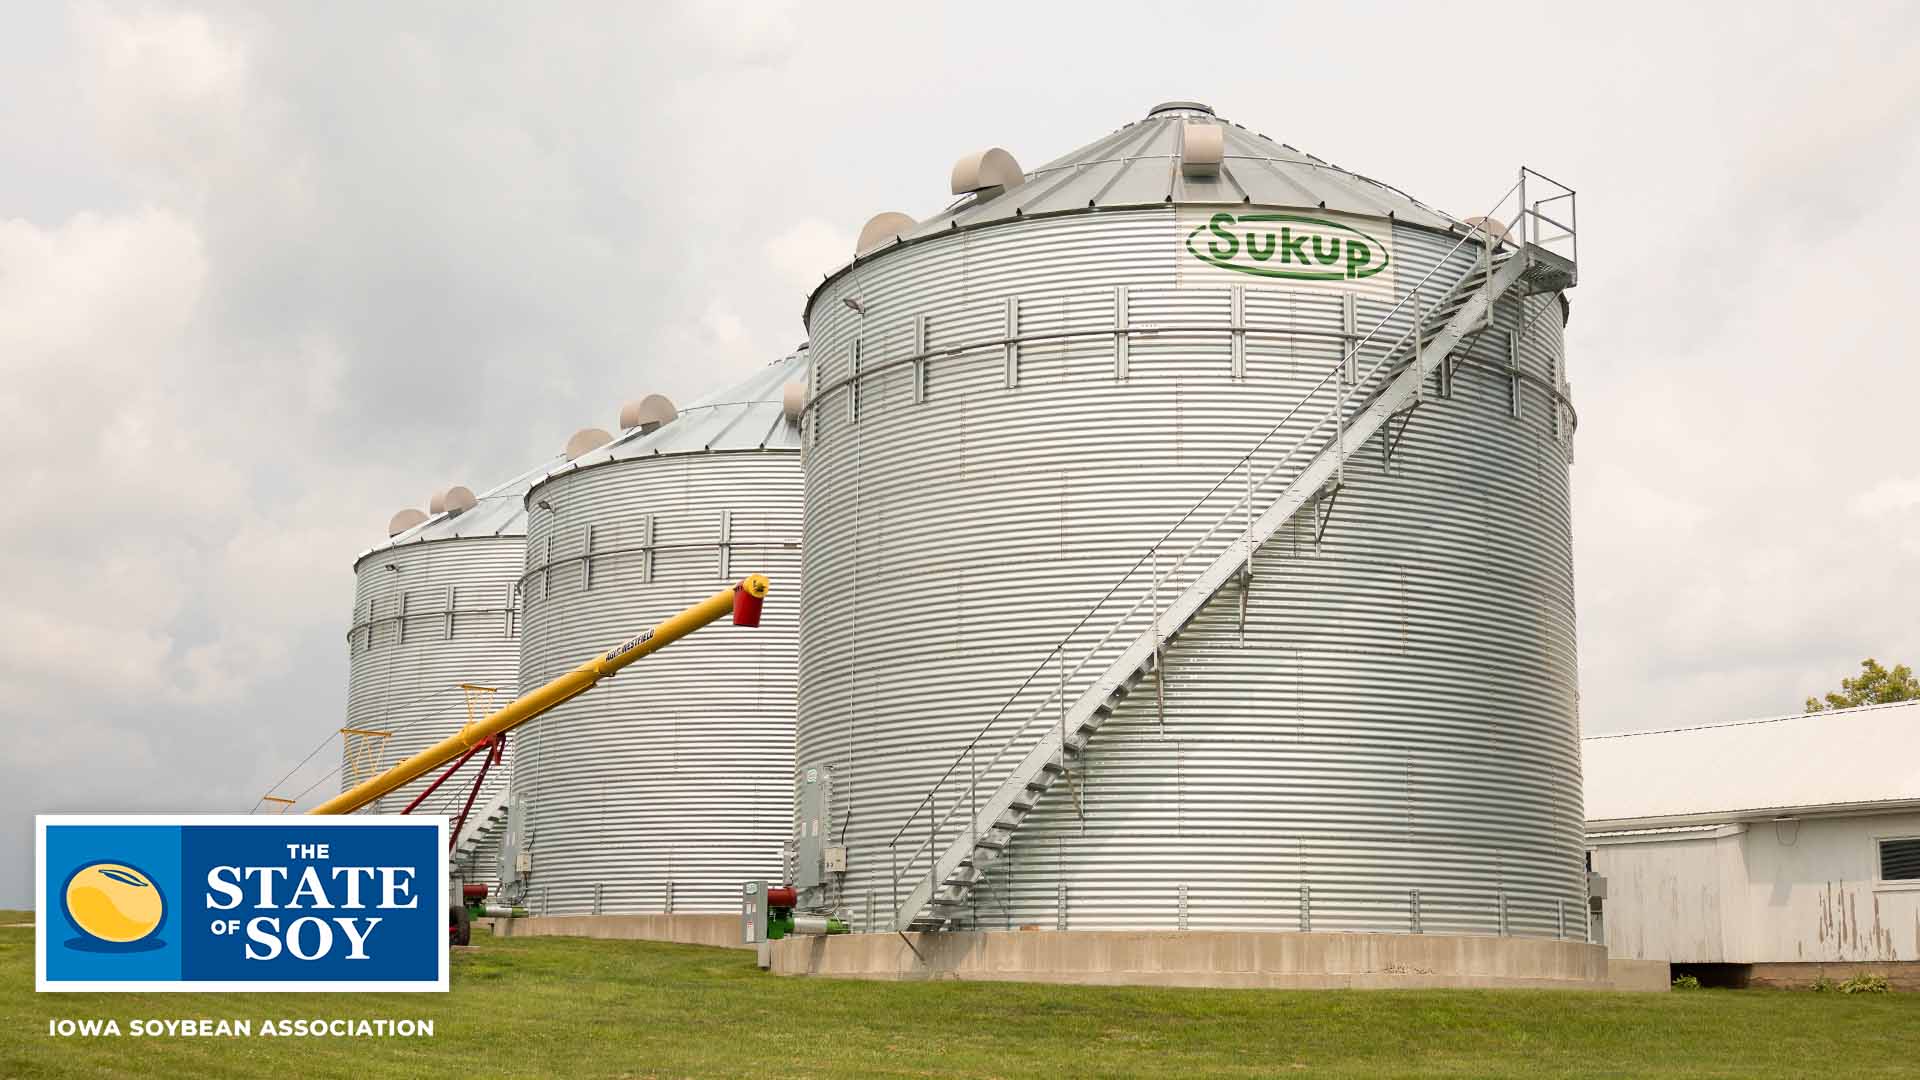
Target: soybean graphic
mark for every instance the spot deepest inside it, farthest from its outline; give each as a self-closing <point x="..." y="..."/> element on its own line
<point x="114" y="902"/>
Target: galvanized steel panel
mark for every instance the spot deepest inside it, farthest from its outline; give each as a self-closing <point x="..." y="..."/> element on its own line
<point x="429" y="616"/>
<point x="665" y="788"/>
<point x="1400" y="711"/>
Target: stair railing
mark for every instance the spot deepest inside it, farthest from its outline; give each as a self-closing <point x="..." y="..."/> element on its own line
<point x="959" y="787"/>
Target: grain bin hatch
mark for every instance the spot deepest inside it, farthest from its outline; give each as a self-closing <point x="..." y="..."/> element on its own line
<point x="459" y="499"/>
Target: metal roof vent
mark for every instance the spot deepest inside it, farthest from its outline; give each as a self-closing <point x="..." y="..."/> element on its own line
<point x="1202" y="146"/>
<point x="1179" y="108"/>
<point x="588" y="438"/>
<point x="793" y="401"/>
<point x="882" y="228"/>
<point x="1490" y="226"/>
<point x="647" y="413"/>
<point x="988" y="172"/>
<point x="437" y="502"/>
<point x="404" y="520"/>
<point x="458" y="499"/>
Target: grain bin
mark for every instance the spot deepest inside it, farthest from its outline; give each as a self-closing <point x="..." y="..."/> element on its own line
<point x="665" y="789"/>
<point x="1188" y="547"/>
<point x="434" y="608"/>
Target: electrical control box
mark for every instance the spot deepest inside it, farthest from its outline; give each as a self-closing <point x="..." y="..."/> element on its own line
<point x="753" y="912"/>
<point x="816" y="797"/>
<point x="834" y="858"/>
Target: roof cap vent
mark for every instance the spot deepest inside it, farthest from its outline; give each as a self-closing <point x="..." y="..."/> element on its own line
<point x="1488" y="226"/>
<point x="988" y="172"/>
<point x="589" y="438"/>
<point x="793" y="401"/>
<point x="1167" y="107"/>
<point x="882" y="228"/>
<point x="647" y="413"/>
<point x="458" y="499"/>
<point x="404" y="520"/>
<point x="1202" y="146"/>
<point x="437" y="502"/>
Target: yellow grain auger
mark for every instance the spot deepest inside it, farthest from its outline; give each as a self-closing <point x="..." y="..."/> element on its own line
<point x="484" y="738"/>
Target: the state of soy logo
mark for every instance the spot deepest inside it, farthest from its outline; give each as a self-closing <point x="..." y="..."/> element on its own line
<point x="232" y="902"/>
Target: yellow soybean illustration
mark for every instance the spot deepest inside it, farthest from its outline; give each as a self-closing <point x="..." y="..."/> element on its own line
<point x="114" y="903"/>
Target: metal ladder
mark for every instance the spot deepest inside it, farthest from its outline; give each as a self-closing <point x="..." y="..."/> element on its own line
<point x="957" y="847"/>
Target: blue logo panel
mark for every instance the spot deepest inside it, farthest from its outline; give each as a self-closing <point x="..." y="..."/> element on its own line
<point x="236" y="903"/>
<point x="73" y="910"/>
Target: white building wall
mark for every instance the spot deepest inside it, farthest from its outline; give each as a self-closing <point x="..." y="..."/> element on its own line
<point x="1768" y="892"/>
<point x="1812" y="892"/>
<point x="1663" y="897"/>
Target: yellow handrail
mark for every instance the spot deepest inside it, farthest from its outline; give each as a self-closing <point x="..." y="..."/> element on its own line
<point x="558" y="692"/>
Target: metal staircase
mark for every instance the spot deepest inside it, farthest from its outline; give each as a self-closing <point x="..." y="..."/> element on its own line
<point x="971" y="816"/>
<point x="487" y="818"/>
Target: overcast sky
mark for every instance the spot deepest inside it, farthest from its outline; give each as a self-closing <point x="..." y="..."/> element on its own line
<point x="265" y="280"/>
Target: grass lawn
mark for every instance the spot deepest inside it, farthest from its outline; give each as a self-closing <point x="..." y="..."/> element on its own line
<point x="572" y="1007"/>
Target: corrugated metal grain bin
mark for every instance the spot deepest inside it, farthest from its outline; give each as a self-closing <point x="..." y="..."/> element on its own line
<point x="434" y="607"/>
<point x="666" y="788"/>
<point x="1013" y="400"/>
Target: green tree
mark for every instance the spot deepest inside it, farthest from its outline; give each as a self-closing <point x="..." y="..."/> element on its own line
<point x="1874" y="685"/>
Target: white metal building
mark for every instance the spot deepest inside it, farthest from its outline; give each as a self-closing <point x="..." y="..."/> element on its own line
<point x="1790" y="845"/>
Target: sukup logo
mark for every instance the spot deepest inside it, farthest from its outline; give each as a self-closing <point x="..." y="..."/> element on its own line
<point x="1292" y="246"/>
<point x="200" y="902"/>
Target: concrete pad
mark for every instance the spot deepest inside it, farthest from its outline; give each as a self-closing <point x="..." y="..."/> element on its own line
<point x="1901" y="975"/>
<point x="1205" y="958"/>
<point x="1640" y="976"/>
<point x="686" y="929"/>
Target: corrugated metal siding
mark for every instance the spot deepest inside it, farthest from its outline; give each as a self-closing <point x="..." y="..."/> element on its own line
<point x="405" y="666"/>
<point x="1402" y="712"/>
<point x="680" y="769"/>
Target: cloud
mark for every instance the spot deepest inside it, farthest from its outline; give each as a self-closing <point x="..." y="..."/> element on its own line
<point x="808" y="250"/>
<point x="1890" y="496"/>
